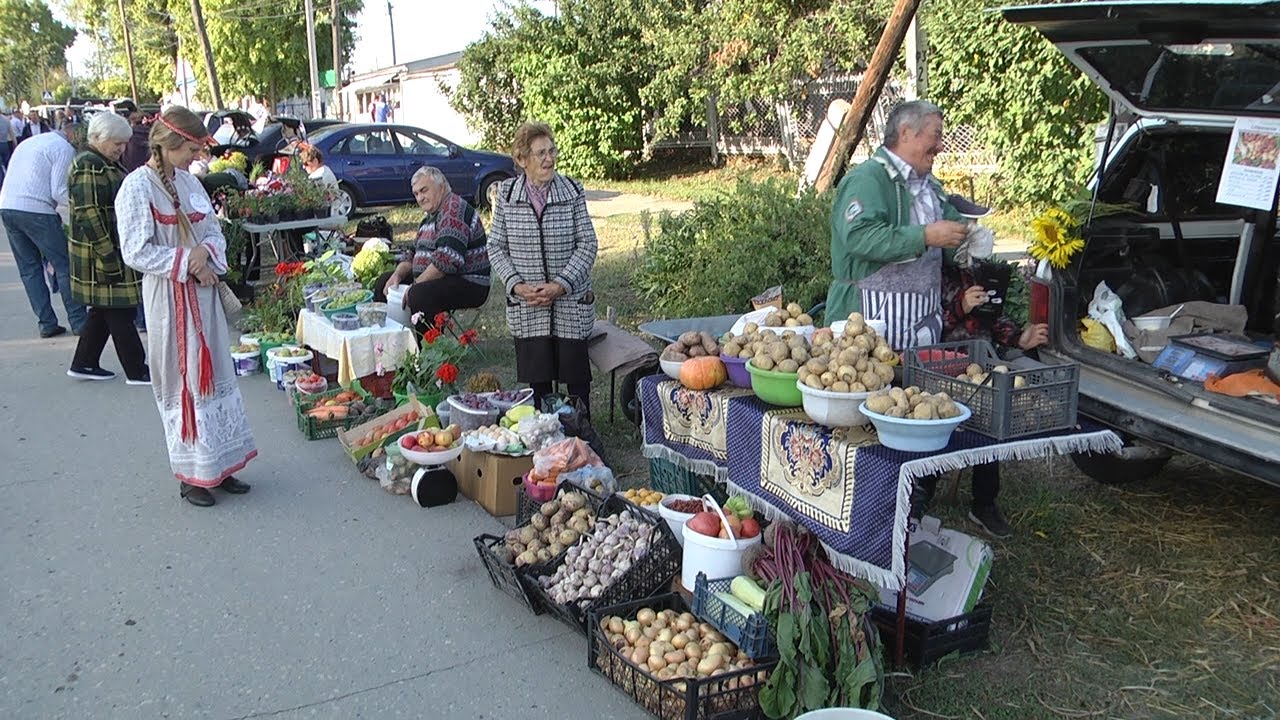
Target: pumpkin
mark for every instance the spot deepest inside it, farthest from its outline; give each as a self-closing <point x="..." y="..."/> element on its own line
<point x="703" y="373"/>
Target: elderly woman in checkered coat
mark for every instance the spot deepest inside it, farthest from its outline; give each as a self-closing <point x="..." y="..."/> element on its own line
<point x="542" y="248"/>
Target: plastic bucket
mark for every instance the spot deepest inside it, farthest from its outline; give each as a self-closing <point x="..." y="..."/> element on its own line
<point x="278" y="366"/>
<point x="713" y="556"/>
<point x="394" y="310"/>
<point x="843" y="714"/>
<point x="675" y="520"/>
<point x="247" y="363"/>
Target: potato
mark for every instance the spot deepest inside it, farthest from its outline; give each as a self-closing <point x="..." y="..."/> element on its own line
<point x="896" y="411"/>
<point x="788" y="366"/>
<point x="674" y="355"/>
<point x="925" y="411"/>
<point x="799" y="354"/>
<point x="880" y="403"/>
<point x="779" y="352"/>
<point x="732" y="349"/>
<point x="746" y="353"/>
<point x="814" y="381"/>
<point x="791" y="322"/>
<point x="794" y="309"/>
<point x="762" y="362"/>
<point x="697" y="351"/>
<point x="1019" y="382"/>
<point x="804" y="319"/>
<point x="857" y="387"/>
<point x="973" y="369"/>
<point x="840" y="386"/>
<point x="690" y="338"/>
<point x="948" y="409"/>
<point x="816" y="366"/>
<point x="855" y="328"/>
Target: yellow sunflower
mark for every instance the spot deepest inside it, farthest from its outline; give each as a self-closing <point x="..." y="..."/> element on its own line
<point x="1056" y="237"/>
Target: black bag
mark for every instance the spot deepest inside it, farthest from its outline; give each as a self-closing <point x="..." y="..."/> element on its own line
<point x="374" y="227"/>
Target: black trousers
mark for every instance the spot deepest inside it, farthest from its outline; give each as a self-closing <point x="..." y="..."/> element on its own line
<point x="450" y="292"/>
<point x="986" y="484"/>
<point x="117" y="323"/>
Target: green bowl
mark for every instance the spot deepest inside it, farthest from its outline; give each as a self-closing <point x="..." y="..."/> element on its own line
<point x="775" y="388"/>
<point x="330" y="310"/>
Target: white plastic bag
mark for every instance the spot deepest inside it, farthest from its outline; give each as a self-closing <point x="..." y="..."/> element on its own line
<point x="979" y="244"/>
<point x="1107" y="308"/>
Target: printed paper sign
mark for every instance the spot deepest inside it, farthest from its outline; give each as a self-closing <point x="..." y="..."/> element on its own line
<point x="1252" y="166"/>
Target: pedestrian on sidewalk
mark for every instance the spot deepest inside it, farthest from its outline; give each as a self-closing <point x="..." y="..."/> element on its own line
<point x="35" y="186"/>
<point x="169" y="233"/>
<point x="99" y="277"/>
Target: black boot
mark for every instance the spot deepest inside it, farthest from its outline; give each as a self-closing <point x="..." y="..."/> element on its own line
<point x="198" y="496"/>
<point x="234" y="486"/>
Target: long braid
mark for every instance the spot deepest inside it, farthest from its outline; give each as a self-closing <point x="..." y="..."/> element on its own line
<point x="166" y="179"/>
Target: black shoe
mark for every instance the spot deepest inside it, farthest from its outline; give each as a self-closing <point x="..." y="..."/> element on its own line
<point x="991" y="520"/>
<point x="88" y="373"/>
<point x="198" y="496"/>
<point x="921" y="496"/>
<point x="234" y="486"/>
<point x="143" y="379"/>
<point x="55" y="332"/>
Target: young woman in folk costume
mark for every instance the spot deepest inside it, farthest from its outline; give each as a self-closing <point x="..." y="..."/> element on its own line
<point x="168" y="232"/>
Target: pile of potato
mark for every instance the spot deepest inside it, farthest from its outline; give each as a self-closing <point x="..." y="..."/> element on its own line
<point x="790" y="316"/>
<point x="767" y="350"/>
<point x="913" y="403"/>
<point x="668" y="645"/>
<point x="975" y="375"/>
<point x="691" y="345"/>
<point x="857" y="361"/>
<point x="557" y="525"/>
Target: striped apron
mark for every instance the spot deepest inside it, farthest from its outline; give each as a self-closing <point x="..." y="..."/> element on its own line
<point x="907" y="296"/>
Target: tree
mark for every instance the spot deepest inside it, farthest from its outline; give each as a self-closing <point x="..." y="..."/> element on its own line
<point x="34" y="44"/>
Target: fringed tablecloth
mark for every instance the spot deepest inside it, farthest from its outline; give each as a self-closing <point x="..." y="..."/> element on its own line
<point x="853" y="493"/>
<point x="688" y="428"/>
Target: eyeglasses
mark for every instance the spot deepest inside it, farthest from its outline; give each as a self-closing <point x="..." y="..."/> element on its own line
<point x="544" y="154"/>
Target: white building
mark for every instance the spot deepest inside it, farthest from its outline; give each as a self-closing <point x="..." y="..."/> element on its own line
<point x="417" y="94"/>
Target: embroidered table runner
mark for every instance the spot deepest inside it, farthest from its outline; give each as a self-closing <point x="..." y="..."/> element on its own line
<point x="688" y="428"/>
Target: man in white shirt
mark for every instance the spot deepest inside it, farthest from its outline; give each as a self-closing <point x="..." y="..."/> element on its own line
<point x="34" y="188"/>
<point x="8" y="138"/>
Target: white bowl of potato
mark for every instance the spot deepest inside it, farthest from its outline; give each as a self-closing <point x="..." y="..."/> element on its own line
<point x="912" y="420"/>
<point x="831" y="408"/>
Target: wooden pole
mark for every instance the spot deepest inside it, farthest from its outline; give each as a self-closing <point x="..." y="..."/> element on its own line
<point x="203" y="36"/>
<point x="128" y="53"/>
<point x="864" y="101"/>
<point x="337" y="59"/>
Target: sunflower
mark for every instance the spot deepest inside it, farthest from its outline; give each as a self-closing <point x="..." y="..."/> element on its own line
<point x="1056" y="237"/>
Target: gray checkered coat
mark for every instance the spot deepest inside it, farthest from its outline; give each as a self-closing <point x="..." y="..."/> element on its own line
<point x="560" y="247"/>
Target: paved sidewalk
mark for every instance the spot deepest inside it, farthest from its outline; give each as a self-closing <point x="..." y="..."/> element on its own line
<point x="316" y="595"/>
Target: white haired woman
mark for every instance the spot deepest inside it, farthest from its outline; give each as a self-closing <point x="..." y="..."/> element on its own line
<point x="99" y="277"/>
<point x="450" y="266"/>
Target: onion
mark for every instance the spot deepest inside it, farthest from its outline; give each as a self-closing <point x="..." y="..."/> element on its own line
<point x="645" y="616"/>
<point x="656" y="663"/>
<point x="675" y="657"/>
<point x="651" y="632"/>
<point x="640" y="656"/>
<point x="679" y="640"/>
<point x="632" y="635"/>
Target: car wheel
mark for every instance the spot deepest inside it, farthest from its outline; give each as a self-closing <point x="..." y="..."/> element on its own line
<point x="488" y="195"/>
<point x="1134" y="462"/>
<point x="345" y="202"/>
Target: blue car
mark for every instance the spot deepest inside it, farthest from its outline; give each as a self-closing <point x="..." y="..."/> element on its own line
<point x="374" y="162"/>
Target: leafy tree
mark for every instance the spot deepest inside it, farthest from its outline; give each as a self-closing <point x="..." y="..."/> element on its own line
<point x="34" y="44"/>
<point x="1035" y="109"/>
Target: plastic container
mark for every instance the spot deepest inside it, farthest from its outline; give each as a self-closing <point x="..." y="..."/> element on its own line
<point x="1152" y="322"/>
<point x="279" y="365"/>
<point x="504" y="576"/>
<point x="843" y="714"/>
<point x="775" y="388"/>
<point x="314" y="428"/>
<point x="675" y="520"/>
<point x="372" y="314"/>
<point x="910" y="435"/>
<point x="523" y="397"/>
<point x="737" y="368"/>
<point x="394" y="309"/>
<point x="713" y="556"/>
<point x="833" y="409"/>
<point x="671" y="368"/>
<point x="927" y="642"/>
<point x="314" y="387"/>
<point x="724" y="696"/>
<point x="468" y="418"/>
<point x="330" y="310"/>
<point x="537" y="493"/>
<point x="442" y="412"/>
<point x="668" y="478"/>
<point x="247" y="363"/>
<point x="423" y="457"/>
<point x="345" y="321"/>
<point x="749" y="632"/>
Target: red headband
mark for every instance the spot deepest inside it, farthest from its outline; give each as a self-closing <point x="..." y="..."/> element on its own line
<point x="206" y="140"/>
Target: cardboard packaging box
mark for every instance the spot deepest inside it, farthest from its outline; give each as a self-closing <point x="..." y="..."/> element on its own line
<point x="948" y="570"/>
<point x="493" y="481"/>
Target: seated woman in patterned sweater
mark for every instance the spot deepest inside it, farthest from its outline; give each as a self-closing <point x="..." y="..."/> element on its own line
<point x="450" y="266"/>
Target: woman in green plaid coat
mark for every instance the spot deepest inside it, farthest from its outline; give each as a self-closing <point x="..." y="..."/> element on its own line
<point x="99" y="277"/>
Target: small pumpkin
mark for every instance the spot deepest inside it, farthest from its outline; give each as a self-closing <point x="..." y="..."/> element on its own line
<point x="703" y="373"/>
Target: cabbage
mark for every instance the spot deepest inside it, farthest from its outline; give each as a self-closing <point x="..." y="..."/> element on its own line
<point x="372" y="261"/>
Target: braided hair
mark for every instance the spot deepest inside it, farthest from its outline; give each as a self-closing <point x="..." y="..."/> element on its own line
<point x="175" y="126"/>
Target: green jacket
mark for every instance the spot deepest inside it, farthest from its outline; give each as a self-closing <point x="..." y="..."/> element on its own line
<point x="871" y="227"/>
<point x="99" y="276"/>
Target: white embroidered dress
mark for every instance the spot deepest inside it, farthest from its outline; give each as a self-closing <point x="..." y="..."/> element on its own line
<point x="188" y="343"/>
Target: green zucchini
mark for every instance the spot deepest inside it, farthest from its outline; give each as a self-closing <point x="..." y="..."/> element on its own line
<point x="746" y="590"/>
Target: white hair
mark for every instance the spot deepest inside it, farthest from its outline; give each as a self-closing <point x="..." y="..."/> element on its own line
<point x="910" y="114"/>
<point x="433" y="174"/>
<point x="108" y="127"/>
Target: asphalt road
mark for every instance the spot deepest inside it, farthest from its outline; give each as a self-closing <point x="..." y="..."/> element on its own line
<point x="317" y="595"/>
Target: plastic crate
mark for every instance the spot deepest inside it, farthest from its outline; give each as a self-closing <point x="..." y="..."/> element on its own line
<point x="927" y="642"/>
<point x="648" y="575"/>
<point x="1000" y="410"/>
<point x="504" y="576"/>
<point x="594" y="501"/>
<point x="316" y="429"/>
<point x="667" y="478"/>
<point x="752" y="634"/>
<point x="527" y="506"/>
<point x="728" y="696"/>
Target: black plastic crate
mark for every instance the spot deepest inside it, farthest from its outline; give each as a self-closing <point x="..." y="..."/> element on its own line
<point x="668" y="478"/>
<point x="527" y="506"/>
<point x="504" y="576"/>
<point x="648" y="575"/>
<point x="594" y="501"/>
<point x="927" y="642"/>
<point x="728" y="696"/>
<point x="1001" y="410"/>
<point x="751" y="633"/>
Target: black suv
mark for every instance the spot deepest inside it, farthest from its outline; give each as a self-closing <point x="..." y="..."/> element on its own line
<point x="1184" y="72"/>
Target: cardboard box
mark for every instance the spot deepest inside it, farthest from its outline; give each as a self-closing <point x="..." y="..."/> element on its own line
<point x="493" y="481"/>
<point x="947" y="574"/>
<point x="348" y="438"/>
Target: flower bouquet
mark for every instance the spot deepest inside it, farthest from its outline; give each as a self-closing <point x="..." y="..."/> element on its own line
<point x="432" y="372"/>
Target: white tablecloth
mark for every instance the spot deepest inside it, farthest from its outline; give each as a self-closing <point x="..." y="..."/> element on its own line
<point x="356" y="350"/>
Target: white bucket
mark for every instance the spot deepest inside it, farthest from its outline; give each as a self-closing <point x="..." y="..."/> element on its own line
<point x="843" y="714"/>
<point x="278" y="366"/>
<point x="394" y="309"/>
<point x="247" y="363"/>
<point x="713" y="556"/>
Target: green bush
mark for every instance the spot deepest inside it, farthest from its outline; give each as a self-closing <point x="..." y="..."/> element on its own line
<point x="712" y="259"/>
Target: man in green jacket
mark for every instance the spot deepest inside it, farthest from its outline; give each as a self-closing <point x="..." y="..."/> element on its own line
<point x="890" y="224"/>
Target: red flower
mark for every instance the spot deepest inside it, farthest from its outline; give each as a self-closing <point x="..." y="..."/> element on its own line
<point x="467" y="337"/>
<point x="431" y="335"/>
<point x="441" y="319"/>
<point x="447" y="373"/>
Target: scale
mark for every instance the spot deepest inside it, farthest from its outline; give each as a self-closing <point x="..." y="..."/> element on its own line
<point x="1196" y="357"/>
<point x="929" y="563"/>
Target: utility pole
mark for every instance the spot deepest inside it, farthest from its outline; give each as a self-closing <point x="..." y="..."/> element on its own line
<point x="312" y="63"/>
<point x="337" y="59"/>
<point x="392" y="20"/>
<point x="873" y="79"/>
<point x="128" y="53"/>
<point x="198" y="16"/>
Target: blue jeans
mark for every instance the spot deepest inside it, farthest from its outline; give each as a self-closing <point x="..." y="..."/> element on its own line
<point x="34" y="238"/>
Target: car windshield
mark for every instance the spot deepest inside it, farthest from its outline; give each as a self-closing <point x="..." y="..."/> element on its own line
<point x="323" y="133"/>
<point x="1222" y="77"/>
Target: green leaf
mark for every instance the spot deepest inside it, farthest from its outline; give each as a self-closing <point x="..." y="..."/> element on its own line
<point x="860" y="684"/>
<point x="813" y="688"/>
<point x="778" y="696"/>
<point x="788" y="628"/>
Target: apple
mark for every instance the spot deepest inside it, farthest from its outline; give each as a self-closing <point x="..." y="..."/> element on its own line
<point x="705" y="523"/>
<point x="438" y="448"/>
<point x="455" y="429"/>
<point x="444" y="438"/>
<point x="407" y="442"/>
<point x="735" y="525"/>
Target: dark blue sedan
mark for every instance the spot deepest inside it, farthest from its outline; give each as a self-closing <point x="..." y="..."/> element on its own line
<point x="374" y="162"/>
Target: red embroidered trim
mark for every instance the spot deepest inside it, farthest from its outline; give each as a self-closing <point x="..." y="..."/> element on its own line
<point x="196" y="217"/>
<point x="177" y="264"/>
<point x="223" y="476"/>
<point x="162" y="218"/>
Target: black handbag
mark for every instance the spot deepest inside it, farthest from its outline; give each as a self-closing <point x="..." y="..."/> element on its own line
<point x="374" y="227"/>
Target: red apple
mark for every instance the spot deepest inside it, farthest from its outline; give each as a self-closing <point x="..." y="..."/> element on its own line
<point x="705" y="523"/>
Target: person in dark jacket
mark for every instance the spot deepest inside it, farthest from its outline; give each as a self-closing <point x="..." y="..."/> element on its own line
<point x="137" y="152"/>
